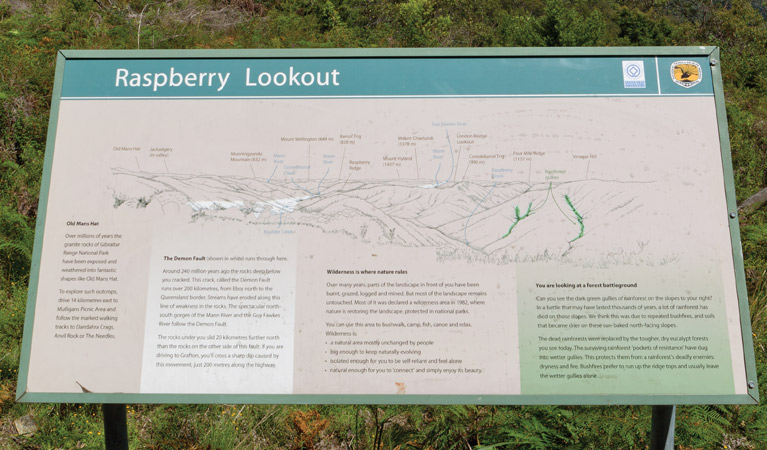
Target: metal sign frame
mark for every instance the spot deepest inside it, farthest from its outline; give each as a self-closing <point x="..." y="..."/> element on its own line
<point x="712" y="69"/>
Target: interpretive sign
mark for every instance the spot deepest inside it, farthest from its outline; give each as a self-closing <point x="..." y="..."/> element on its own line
<point x="392" y="226"/>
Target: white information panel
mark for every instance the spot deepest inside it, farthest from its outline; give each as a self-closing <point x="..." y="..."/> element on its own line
<point x="436" y="242"/>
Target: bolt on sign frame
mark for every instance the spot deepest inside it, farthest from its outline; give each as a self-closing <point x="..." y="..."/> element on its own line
<point x="444" y="226"/>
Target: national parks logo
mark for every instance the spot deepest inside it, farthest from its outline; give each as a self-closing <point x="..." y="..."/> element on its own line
<point x="686" y="73"/>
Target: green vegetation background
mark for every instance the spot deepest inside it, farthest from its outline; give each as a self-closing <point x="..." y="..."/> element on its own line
<point x="31" y="31"/>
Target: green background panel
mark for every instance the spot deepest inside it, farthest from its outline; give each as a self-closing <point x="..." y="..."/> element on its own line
<point x="94" y="65"/>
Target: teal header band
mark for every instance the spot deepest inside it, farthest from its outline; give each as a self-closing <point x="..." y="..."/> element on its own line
<point x="384" y="77"/>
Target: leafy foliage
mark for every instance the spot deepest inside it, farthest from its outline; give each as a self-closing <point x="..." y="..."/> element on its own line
<point x="31" y="31"/>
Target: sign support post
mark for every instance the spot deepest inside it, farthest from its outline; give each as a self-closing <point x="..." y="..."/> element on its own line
<point x="115" y="426"/>
<point x="662" y="428"/>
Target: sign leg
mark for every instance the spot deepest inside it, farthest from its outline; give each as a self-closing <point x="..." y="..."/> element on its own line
<point x="662" y="428"/>
<point x="115" y="426"/>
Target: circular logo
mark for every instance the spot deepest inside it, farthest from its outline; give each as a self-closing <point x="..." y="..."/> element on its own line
<point x="633" y="70"/>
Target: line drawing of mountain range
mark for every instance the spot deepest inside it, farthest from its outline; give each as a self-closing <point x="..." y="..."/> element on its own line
<point x="491" y="221"/>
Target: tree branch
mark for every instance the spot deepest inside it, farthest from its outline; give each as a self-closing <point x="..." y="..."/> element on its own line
<point x="754" y="202"/>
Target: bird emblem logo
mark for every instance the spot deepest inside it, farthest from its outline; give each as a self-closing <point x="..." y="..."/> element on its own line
<point x="686" y="73"/>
